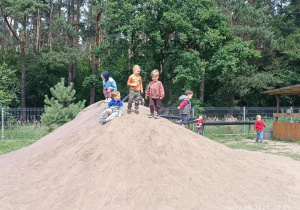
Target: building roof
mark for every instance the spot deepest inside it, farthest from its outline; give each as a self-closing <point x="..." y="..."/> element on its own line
<point x="291" y="90"/>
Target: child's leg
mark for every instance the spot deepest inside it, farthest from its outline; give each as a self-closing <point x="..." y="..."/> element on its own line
<point x="257" y="135"/>
<point x="185" y="118"/>
<point x="151" y="105"/>
<point x="200" y="132"/>
<point x="158" y="106"/>
<point x="137" y="99"/>
<point x="105" y="93"/>
<point x="106" y="113"/>
<point x="112" y="116"/>
<point x="109" y="90"/>
<point x="130" y="100"/>
<point x="261" y="135"/>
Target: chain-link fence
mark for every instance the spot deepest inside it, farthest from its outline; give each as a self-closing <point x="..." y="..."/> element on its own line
<point x="232" y="114"/>
<point x="19" y="124"/>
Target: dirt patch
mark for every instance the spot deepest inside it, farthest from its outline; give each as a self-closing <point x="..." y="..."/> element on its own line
<point x="278" y="147"/>
<point x="134" y="162"/>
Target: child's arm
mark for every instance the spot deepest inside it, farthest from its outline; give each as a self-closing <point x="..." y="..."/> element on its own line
<point x="161" y="91"/>
<point x="141" y="85"/>
<point x="184" y="103"/>
<point x="264" y="124"/>
<point x="147" y="93"/>
<point x="113" y="84"/>
<point x="129" y="82"/>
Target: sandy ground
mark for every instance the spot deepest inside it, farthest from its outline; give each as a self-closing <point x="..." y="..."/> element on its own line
<point x="134" y="162"/>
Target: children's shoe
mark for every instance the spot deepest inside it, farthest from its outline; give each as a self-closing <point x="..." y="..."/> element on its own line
<point x="128" y="111"/>
<point x="104" y="121"/>
<point x="151" y="115"/>
<point x="108" y="100"/>
<point x="101" y="120"/>
<point x="157" y="117"/>
<point x="183" y="125"/>
<point x="137" y="111"/>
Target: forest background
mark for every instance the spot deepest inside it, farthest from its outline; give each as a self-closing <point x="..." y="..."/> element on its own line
<point x="226" y="51"/>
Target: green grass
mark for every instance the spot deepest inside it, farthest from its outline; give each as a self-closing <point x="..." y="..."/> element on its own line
<point x="247" y="146"/>
<point x="18" y="136"/>
<point x="12" y="145"/>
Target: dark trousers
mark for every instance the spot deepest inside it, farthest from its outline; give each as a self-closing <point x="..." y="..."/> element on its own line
<point x="155" y="102"/>
<point x="185" y="118"/>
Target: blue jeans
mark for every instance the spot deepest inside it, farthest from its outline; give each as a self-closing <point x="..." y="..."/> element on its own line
<point x="259" y="135"/>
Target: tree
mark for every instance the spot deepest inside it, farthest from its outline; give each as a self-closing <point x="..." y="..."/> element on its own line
<point x="56" y="110"/>
<point x="8" y="86"/>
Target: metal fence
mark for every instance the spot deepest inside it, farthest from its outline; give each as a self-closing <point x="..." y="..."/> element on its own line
<point x="235" y="113"/>
<point x="18" y="123"/>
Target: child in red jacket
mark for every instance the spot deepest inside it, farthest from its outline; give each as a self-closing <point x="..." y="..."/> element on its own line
<point x="259" y="128"/>
<point x="200" y="125"/>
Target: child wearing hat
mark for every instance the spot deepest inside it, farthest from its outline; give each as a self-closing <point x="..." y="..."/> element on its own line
<point x="109" y="85"/>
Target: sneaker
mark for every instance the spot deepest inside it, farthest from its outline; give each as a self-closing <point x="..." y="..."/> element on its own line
<point x="151" y="115"/>
<point x="156" y="116"/>
<point x="137" y="111"/>
<point x="101" y="120"/>
<point x="128" y="111"/>
<point x="183" y="125"/>
<point x="104" y="121"/>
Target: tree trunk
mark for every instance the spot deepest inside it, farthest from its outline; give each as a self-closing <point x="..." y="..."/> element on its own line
<point x="23" y="52"/>
<point x="98" y="37"/>
<point x="50" y="25"/>
<point x="4" y="38"/>
<point x="201" y="95"/>
<point x="38" y="31"/>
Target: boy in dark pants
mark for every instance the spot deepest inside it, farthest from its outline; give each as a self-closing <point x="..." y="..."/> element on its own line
<point x="185" y="107"/>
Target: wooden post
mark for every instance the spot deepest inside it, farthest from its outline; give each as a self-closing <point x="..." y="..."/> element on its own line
<point x="277" y="99"/>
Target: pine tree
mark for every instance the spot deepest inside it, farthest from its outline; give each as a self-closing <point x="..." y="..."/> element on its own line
<point x="56" y="110"/>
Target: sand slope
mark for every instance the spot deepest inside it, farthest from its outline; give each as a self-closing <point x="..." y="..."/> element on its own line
<point x="134" y="162"/>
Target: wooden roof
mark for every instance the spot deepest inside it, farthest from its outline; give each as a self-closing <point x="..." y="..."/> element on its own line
<point x="291" y="90"/>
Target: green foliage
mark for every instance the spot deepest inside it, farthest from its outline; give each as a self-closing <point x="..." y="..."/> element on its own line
<point x="8" y="86"/>
<point x="56" y="110"/>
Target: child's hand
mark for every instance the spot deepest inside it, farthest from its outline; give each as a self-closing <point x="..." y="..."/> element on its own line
<point x="146" y="97"/>
<point x="142" y="91"/>
<point x="178" y="107"/>
<point x="161" y="98"/>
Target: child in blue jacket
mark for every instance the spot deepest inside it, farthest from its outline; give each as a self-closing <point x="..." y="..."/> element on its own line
<point x="109" y="85"/>
<point x="115" y="108"/>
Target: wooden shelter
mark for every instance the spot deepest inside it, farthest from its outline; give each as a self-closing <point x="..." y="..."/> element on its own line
<point x="283" y="130"/>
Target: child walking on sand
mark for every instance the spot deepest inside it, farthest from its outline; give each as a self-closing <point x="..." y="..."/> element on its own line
<point x="185" y="107"/>
<point x="155" y="91"/>
<point x="200" y="125"/>
<point x="115" y="108"/>
<point x="259" y="128"/>
<point x="109" y="85"/>
<point x="136" y="88"/>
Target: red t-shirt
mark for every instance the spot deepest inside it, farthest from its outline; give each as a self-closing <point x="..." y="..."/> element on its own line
<point x="199" y="124"/>
<point x="259" y="125"/>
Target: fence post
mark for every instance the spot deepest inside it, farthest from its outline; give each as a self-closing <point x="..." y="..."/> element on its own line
<point x="193" y="112"/>
<point x="2" y="124"/>
<point x="244" y="117"/>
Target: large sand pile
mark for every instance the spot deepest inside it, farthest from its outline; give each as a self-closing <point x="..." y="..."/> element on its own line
<point x="134" y="162"/>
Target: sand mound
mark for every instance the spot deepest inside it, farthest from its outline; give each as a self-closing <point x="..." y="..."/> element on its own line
<point x="134" y="162"/>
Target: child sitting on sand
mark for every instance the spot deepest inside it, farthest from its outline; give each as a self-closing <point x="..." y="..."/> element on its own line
<point x="115" y="108"/>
